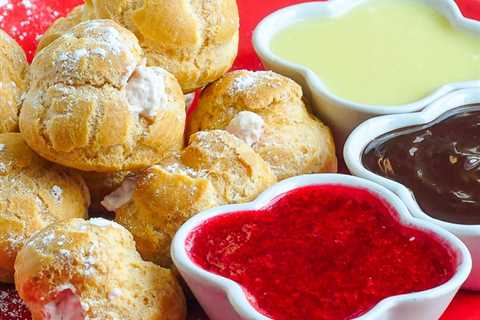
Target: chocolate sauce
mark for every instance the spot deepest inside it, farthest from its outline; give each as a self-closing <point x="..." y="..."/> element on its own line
<point x="439" y="162"/>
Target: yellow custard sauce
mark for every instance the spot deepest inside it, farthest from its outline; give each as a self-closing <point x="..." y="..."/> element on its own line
<point x="383" y="52"/>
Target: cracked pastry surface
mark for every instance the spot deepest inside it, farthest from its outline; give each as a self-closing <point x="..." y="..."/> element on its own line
<point x="287" y="136"/>
<point x="13" y="82"/>
<point x="80" y="269"/>
<point x="196" y="41"/>
<point x="93" y="105"/>
<point x="33" y="194"/>
<point x="215" y="169"/>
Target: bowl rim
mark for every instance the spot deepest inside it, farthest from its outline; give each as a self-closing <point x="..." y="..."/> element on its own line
<point x="280" y="19"/>
<point x="362" y="135"/>
<point x="237" y="297"/>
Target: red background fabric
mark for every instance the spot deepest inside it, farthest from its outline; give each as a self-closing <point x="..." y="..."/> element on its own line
<point x="466" y="304"/>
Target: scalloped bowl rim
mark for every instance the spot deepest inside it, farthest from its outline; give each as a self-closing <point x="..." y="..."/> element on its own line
<point x="279" y="20"/>
<point x="237" y="297"/>
<point x="375" y="127"/>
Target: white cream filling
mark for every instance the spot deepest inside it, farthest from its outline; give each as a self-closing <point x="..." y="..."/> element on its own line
<point x="145" y="91"/>
<point x="121" y="196"/>
<point x="247" y="126"/>
<point x="67" y="306"/>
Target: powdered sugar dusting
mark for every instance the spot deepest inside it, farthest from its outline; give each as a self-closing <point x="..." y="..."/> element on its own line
<point x="177" y="168"/>
<point x="68" y="61"/>
<point x="105" y="42"/>
<point x="112" y="41"/>
<point x="15" y="241"/>
<point x="100" y="52"/>
<point x="40" y="243"/>
<point x="250" y="80"/>
<point x="108" y="35"/>
<point x="89" y="260"/>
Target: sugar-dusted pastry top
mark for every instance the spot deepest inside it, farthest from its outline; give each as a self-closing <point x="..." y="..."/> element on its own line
<point x="267" y="111"/>
<point x="33" y="194"/>
<point x="81" y="269"/>
<point x="13" y="82"/>
<point x="215" y="169"/>
<point x="92" y="83"/>
<point x="197" y="41"/>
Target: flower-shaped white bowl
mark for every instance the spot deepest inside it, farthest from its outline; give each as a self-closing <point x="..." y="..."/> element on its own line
<point x="373" y="128"/>
<point x="223" y="299"/>
<point x="341" y="114"/>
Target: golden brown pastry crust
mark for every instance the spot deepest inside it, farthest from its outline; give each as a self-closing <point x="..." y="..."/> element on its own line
<point x="97" y="263"/>
<point x="215" y="169"/>
<point x="33" y="194"/>
<point x="294" y="142"/>
<point x="78" y="113"/>
<point x="13" y="82"/>
<point x="197" y="41"/>
<point x="162" y="202"/>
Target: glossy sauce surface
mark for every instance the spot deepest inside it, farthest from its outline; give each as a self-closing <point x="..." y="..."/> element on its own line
<point x="320" y="252"/>
<point x="439" y="162"/>
<point x="383" y="52"/>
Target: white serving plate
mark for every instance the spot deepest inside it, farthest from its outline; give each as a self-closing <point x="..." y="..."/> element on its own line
<point x="340" y="114"/>
<point x="373" y="128"/>
<point x="223" y="299"/>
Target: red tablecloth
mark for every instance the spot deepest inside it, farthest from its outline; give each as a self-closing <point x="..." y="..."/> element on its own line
<point x="466" y="305"/>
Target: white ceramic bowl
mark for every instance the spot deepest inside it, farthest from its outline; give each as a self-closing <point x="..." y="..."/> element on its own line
<point x="373" y="128"/>
<point x="223" y="299"/>
<point x="341" y="114"/>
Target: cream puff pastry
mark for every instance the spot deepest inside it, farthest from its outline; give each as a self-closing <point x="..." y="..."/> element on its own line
<point x="33" y="194"/>
<point x="196" y="41"/>
<point x="266" y="110"/>
<point x="93" y="105"/>
<point x="81" y="269"/>
<point x="13" y="82"/>
<point x="215" y="169"/>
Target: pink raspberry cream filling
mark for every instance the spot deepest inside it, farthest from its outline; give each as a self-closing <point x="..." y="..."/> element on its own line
<point x="321" y="252"/>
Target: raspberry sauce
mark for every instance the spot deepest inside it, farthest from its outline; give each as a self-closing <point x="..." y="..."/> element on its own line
<point x="27" y="20"/>
<point x="321" y="252"/>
